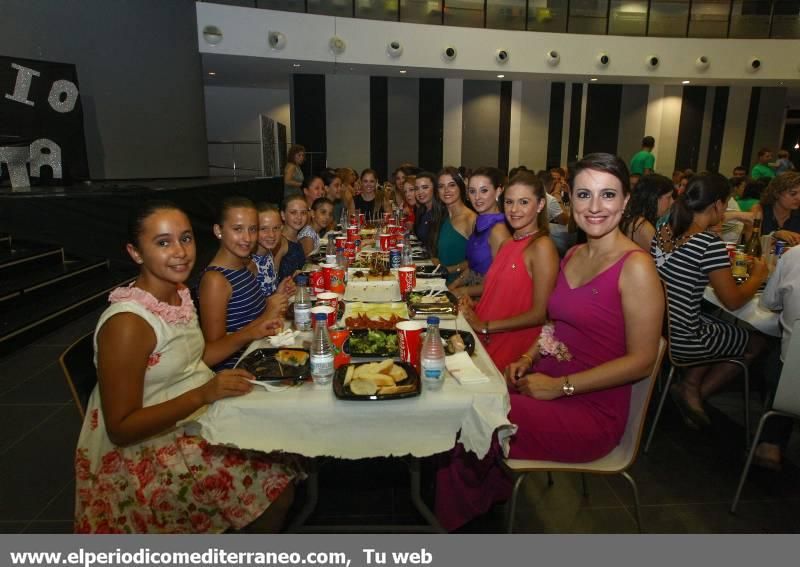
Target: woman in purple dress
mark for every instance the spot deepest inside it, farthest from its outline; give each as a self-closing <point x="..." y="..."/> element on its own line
<point x="484" y="192"/>
<point x="570" y="392"/>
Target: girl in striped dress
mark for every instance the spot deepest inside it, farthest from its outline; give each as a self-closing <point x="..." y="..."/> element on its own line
<point x="233" y="307"/>
<point x="688" y="258"/>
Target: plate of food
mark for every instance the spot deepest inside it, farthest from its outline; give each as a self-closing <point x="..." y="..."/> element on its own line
<point x="383" y="274"/>
<point x="359" y="315"/>
<point x="371" y="343"/>
<point x="372" y="291"/>
<point x="386" y="380"/>
<point x="424" y="303"/>
<point x="277" y="365"/>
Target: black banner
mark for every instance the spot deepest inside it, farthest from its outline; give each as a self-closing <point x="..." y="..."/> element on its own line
<point x="41" y="123"/>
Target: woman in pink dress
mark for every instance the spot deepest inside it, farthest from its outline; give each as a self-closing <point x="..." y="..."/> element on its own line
<point x="570" y="391"/>
<point x="522" y="276"/>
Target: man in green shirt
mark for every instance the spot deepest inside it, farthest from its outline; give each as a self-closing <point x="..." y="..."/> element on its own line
<point x="643" y="163"/>
<point x="762" y="168"/>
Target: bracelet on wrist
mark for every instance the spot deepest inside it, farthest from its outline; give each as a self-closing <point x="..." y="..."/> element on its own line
<point x="529" y="357"/>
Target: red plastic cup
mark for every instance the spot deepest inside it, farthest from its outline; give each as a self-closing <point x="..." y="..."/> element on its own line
<point x="387" y="218"/>
<point x="362" y="219"/>
<point x="317" y="281"/>
<point x="352" y="232"/>
<point x="337" y="283"/>
<point x="329" y="311"/>
<point x="340" y="241"/>
<point x="385" y="240"/>
<point x="326" y="273"/>
<point x="328" y="298"/>
<point x="341" y="347"/>
<point x="407" y="277"/>
<point x="409" y="341"/>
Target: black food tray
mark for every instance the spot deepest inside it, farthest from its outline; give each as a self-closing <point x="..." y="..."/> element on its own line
<point x="343" y="392"/>
<point x="262" y="364"/>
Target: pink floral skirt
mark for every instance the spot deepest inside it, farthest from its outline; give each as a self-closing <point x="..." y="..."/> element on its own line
<point x="177" y="484"/>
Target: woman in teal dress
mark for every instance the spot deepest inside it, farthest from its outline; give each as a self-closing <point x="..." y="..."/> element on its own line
<point x="456" y="227"/>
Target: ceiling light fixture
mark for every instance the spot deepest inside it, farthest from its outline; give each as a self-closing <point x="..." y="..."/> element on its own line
<point x="296" y="65"/>
<point x="500" y="76"/>
<point x="593" y="79"/>
<point x="403" y="71"/>
<point x="685" y="82"/>
<point x="212" y="73"/>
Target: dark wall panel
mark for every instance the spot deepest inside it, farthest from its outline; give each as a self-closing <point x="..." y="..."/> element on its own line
<point x="602" y="119"/>
<point x="308" y="97"/>
<point x="379" y="126"/>
<point x="690" y="127"/>
<point x="431" y="123"/>
<point x="139" y="73"/>
<point x="503" y="148"/>
<point x="750" y="132"/>
<point x="574" y="123"/>
<point x="717" y="127"/>
<point x="555" y="127"/>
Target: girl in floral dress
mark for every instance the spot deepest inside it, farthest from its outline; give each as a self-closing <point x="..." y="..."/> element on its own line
<point x="137" y="469"/>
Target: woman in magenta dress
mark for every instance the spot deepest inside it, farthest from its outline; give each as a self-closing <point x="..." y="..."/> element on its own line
<point x="570" y="391"/>
<point x="521" y="277"/>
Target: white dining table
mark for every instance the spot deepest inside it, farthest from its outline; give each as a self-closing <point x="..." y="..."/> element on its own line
<point x="309" y="420"/>
<point x="752" y="313"/>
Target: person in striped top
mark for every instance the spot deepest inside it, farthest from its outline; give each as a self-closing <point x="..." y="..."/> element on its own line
<point x="689" y="257"/>
<point x="233" y="307"/>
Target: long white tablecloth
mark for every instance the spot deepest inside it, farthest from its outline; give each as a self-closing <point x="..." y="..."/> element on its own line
<point x="751" y="313"/>
<point x="311" y="421"/>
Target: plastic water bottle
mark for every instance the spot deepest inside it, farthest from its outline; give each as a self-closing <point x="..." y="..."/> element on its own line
<point x="432" y="356"/>
<point x="302" y="304"/>
<point x="406" y="255"/>
<point x="321" y="352"/>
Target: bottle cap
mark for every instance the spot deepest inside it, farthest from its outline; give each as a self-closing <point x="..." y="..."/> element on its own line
<point x="432" y="320"/>
<point x="320" y="316"/>
<point x="301" y="279"/>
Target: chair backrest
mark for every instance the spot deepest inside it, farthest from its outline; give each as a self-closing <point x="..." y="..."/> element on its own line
<point x="77" y="363"/>
<point x="641" y="392"/>
<point x="787" y="396"/>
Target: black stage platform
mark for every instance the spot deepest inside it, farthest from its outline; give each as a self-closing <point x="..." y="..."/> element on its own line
<point x="91" y="218"/>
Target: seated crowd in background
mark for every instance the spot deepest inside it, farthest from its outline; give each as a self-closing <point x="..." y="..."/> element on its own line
<point x="570" y="339"/>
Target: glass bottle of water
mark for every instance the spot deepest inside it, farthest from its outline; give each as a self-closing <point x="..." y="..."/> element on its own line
<point x="432" y="357"/>
<point x="321" y="352"/>
<point x="302" y="304"/>
<point x="406" y="256"/>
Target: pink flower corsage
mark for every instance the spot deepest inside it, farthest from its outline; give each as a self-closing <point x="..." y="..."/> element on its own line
<point x="172" y="314"/>
<point x="549" y="345"/>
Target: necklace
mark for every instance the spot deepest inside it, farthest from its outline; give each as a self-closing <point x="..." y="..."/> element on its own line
<point x="524" y="236"/>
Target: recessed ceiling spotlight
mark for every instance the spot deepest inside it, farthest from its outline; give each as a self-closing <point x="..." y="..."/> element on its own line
<point x="403" y="71"/>
<point x="685" y="82"/>
<point x="212" y="73"/>
<point x="296" y="65"/>
<point x="593" y="79"/>
<point x="500" y="76"/>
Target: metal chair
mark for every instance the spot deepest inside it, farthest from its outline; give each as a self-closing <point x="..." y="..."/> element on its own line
<point x="77" y="364"/>
<point x="617" y="461"/>
<point x="676" y="364"/>
<point x="786" y="402"/>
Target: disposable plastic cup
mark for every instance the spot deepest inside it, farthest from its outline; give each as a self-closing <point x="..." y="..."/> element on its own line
<point x="409" y="341"/>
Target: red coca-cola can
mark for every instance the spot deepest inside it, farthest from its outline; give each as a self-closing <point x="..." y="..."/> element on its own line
<point x="317" y="281"/>
<point x="352" y="232"/>
<point x="353" y="219"/>
<point x="384" y="240"/>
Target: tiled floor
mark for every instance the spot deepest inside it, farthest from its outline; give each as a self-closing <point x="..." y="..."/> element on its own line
<point x="685" y="483"/>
